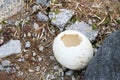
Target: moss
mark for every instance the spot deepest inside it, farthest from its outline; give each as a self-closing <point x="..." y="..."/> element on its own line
<point x="118" y="21"/>
<point x="94" y="26"/>
<point x="56" y="11"/>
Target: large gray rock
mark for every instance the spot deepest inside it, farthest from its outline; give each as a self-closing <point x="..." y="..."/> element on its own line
<point x="84" y="28"/>
<point x="60" y="18"/>
<point x="11" y="47"/>
<point x="10" y="7"/>
<point x="106" y="63"/>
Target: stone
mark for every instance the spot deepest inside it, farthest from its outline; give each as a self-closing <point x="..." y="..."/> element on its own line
<point x="42" y="17"/>
<point x="5" y="63"/>
<point x="36" y="26"/>
<point x="10" y="7"/>
<point x="27" y="44"/>
<point x="85" y="29"/>
<point x="60" y="18"/>
<point x="106" y="63"/>
<point x="44" y="2"/>
<point x="11" y="47"/>
<point x="69" y="73"/>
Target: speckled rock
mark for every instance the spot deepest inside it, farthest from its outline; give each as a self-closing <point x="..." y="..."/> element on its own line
<point x="106" y="63"/>
<point x="85" y="29"/>
<point x="60" y="18"/>
<point x="12" y="47"/>
<point x="44" y="2"/>
<point x="10" y="7"/>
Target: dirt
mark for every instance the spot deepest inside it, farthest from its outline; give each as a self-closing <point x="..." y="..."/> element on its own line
<point x="43" y="37"/>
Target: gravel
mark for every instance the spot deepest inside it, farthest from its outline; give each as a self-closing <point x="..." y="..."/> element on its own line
<point x="27" y="44"/>
<point x="36" y="26"/>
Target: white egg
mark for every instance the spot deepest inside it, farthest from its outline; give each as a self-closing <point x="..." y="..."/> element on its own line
<point x="72" y="49"/>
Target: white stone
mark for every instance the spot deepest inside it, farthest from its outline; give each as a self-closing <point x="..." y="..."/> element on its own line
<point x="85" y="29"/>
<point x="69" y="73"/>
<point x="11" y="47"/>
<point x="36" y="26"/>
<point x="27" y="44"/>
<point x="60" y="19"/>
<point x="41" y="48"/>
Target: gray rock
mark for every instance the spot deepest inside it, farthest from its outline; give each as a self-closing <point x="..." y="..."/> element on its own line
<point x="106" y="64"/>
<point x="44" y="2"/>
<point x="12" y="47"/>
<point x="85" y="29"/>
<point x="10" y="7"/>
<point x="69" y="73"/>
<point x="60" y="19"/>
<point x="27" y="44"/>
<point x="5" y="63"/>
<point x="42" y="17"/>
<point x="1" y="68"/>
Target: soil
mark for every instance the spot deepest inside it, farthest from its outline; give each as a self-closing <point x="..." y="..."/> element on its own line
<point x="39" y="54"/>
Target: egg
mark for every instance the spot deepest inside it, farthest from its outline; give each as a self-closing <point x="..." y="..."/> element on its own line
<point x="72" y="49"/>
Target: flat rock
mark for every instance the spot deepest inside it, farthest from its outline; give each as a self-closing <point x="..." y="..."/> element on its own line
<point x="42" y="17"/>
<point x="44" y="2"/>
<point x="11" y="47"/>
<point x="10" y="7"/>
<point x="85" y="29"/>
<point x="60" y="18"/>
<point x="106" y="63"/>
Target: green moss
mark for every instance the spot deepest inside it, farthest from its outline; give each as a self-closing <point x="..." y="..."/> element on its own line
<point x="118" y="21"/>
<point x="56" y="11"/>
<point x="94" y="26"/>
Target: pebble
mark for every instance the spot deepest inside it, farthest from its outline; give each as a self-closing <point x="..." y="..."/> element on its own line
<point x="5" y="63"/>
<point x="11" y="47"/>
<point x="69" y="73"/>
<point x="56" y="67"/>
<point x="61" y="72"/>
<point x="36" y="26"/>
<point x="52" y="58"/>
<point x="40" y="59"/>
<point x="31" y="70"/>
<point x="1" y="68"/>
<point x="34" y="54"/>
<point x="35" y="8"/>
<point x="37" y="68"/>
<point x="44" y="2"/>
<point x="21" y="59"/>
<point x="20" y="73"/>
<point x="41" y="48"/>
<point x="60" y="19"/>
<point x="42" y="17"/>
<point x="27" y="44"/>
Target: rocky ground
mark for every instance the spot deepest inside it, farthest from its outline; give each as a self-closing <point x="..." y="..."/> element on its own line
<point x="36" y="25"/>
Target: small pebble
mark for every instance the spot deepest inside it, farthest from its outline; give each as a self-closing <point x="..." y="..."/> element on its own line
<point x="27" y="44"/>
<point x="52" y="58"/>
<point x="56" y="67"/>
<point x="5" y="63"/>
<point x="34" y="54"/>
<point x="41" y="48"/>
<point x="35" y="8"/>
<point x="39" y="59"/>
<point x="42" y="17"/>
<point x="21" y="59"/>
<point x="20" y="73"/>
<point x="31" y="70"/>
<point x="69" y="73"/>
<point x="8" y="70"/>
<point x="29" y="34"/>
<point x="37" y="68"/>
<point x="36" y="26"/>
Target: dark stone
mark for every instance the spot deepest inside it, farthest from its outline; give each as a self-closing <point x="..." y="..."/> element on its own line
<point x="106" y="64"/>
